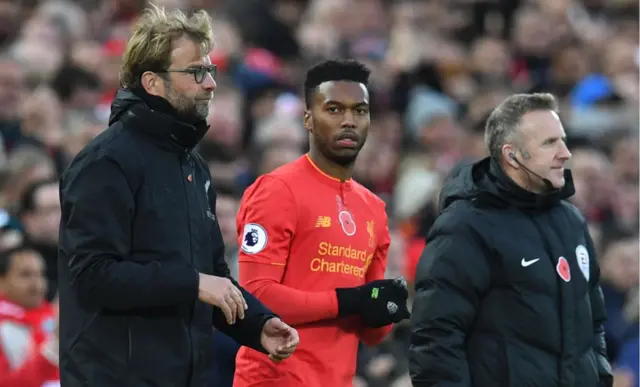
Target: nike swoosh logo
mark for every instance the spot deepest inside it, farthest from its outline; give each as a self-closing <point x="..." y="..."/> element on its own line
<point x="526" y="263"/>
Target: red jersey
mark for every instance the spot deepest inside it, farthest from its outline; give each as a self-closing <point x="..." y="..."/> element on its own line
<point x="21" y="332"/>
<point x="39" y="370"/>
<point x="303" y="234"/>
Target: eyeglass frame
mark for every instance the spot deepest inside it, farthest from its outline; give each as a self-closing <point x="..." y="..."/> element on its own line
<point x="211" y="69"/>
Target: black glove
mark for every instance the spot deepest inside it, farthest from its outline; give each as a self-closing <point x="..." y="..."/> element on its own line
<point x="379" y="303"/>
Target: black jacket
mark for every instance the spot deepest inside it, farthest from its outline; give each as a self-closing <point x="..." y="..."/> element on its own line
<point x="491" y="307"/>
<point x="137" y="226"/>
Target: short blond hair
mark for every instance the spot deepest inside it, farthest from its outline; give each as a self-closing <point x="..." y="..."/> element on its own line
<point x="150" y="45"/>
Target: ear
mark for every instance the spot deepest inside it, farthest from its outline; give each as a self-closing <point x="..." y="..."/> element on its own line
<point x="509" y="155"/>
<point x="152" y="83"/>
<point x="308" y="121"/>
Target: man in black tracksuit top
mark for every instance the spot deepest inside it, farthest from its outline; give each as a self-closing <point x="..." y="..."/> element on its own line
<point x="141" y="257"/>
<point x="507" y="288"/>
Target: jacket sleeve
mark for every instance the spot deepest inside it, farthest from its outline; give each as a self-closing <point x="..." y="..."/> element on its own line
<point x="452" y="276"/>
<point x="247" y="331"/>
<point x="599" y="316"/>
<point x="95" y="238"/>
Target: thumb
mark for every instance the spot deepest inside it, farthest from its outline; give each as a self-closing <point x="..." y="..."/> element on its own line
<point x="280" y="326"/>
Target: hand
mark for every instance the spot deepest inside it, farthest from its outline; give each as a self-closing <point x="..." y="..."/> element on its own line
<point x="279" y="339"/>
<point x="379" y="303"/>
<point x="222" y="293"/>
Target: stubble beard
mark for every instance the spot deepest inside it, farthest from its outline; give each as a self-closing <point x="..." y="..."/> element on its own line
<point x="343" y="160"/>
<point x="188" y="108"/>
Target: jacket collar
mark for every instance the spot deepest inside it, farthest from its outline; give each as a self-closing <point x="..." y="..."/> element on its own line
<point x="155" y="117"/>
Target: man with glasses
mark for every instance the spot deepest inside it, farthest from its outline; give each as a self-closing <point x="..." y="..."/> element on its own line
<point x="142" y="275"/>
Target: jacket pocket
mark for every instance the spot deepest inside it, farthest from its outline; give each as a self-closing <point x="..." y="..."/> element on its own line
<point x="586" y="372"/>
<point x="101" y="352"/>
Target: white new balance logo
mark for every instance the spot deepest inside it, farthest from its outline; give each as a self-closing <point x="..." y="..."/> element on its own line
<point x="526" y="263"/>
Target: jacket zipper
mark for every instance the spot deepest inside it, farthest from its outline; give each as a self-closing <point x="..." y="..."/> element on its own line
<point x="195" y="182"/>
<point x="547" y="248"/>
<point x="130" y="349"/>
<point x="185" y="185"/>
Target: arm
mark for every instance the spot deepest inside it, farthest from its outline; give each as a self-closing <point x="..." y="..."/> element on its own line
<point x="270" y="204"/>
<point x="376" y="270"/>
<point x="245" y="331"/>
<point x="452" y="276"/>
<point x="95" y="236"/>
<point x="599" y="315"/>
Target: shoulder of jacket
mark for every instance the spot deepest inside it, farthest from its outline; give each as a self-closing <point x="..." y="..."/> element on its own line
<point x="461" y="217"/>
<point x="573" y="210"/>
<point x="114" y="145"/>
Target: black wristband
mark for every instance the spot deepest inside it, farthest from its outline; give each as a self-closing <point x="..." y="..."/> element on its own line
<point x="349" y="301"/>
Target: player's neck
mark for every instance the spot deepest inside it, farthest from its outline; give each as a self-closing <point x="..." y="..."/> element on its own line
<point x="332" y="169"/>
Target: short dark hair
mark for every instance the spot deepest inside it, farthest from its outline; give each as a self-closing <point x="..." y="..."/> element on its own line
<point x="7" y="254"/>
<point x="334" y="70"/>
<point x="28" y="200"/>
<point x="503" y="122"/>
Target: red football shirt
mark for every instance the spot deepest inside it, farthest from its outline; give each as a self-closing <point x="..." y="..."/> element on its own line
<point x="303" y="234"/>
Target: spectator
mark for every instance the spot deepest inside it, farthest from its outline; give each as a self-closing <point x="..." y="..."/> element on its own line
<point x="40" y="217"/>
<point x="25" y="318"/>
<point x="41" y="368"/>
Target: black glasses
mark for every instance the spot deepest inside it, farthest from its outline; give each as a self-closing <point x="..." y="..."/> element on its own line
<point x="199" y="72"/>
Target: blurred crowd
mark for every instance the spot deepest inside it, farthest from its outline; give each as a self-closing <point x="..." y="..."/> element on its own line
<point x="439" y="68"/>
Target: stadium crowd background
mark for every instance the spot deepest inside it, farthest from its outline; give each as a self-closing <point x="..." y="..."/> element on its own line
<point x="439" y="67"/>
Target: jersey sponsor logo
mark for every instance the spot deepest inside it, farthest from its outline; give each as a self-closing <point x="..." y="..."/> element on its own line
<point x="323" y="221"/>
<point x="254" y="238"/>
<point x="347" y="260"/>
<point x="582" y="255"/>
<point x="563" y="269"/>
<point x="331" y="250"/>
